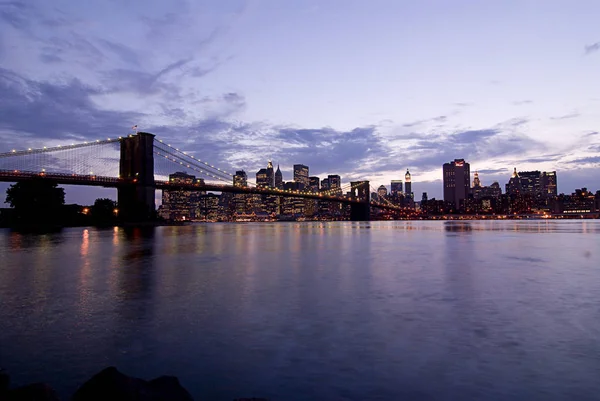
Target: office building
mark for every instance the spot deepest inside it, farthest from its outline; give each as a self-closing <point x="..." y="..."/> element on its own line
<point x="408" y="185"/>
<point x="382" y="191"/>
<point x="335" y="184"/>
<point x="240" y="201"/>
<point x="265" y="177"/>
<point x="180" y="204"/>
<point x="457" y="181"/>
<point x="278" y="178"/>
<point x="541" y="186"/>
<point x="549" y="184"/>
<point x="396" y="188"/>
<point x="325" y="184"/>
<point x="208" y="207"/>
<point x="301" y="175"/>
<point x="313" y="184"/>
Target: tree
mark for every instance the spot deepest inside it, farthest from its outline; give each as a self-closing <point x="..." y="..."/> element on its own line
<point x="37" y="200"/>
<point x="104" y="211"/>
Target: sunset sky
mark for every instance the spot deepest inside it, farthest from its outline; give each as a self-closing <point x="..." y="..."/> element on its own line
<point x="363" y="89"/>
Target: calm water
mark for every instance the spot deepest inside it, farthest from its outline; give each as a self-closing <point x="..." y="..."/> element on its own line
<point x="311" y="311"/>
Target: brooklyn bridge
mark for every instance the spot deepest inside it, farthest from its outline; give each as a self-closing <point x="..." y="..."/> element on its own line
<point x="139" y="164"/>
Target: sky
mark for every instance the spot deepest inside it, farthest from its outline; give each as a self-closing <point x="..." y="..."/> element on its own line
<point x="363" y="89"/>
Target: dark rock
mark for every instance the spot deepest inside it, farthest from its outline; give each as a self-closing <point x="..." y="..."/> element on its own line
<point x="4" y="382"/>
<point x="250" y="399"/>
<point x="110" y="384"/>
<point x="33" y="392"/>
<point x="168" y="387"/>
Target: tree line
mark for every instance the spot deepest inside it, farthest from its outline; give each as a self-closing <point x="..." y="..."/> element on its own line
<point x="40" y="202"/>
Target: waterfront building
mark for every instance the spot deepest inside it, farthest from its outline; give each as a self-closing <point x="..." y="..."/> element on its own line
<point x="240" y="201"/>
<point x="457" y="180"/>
<point x="408" y="185"/>
<point x="180" y="204"/>
<point x="396" y="188"/>
<point x="278" y="178"/>
<point x="301" y="175"/>
<point x="382" y="191"/>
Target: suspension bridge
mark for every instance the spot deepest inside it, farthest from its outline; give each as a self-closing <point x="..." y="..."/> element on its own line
<point x="139" y="164"/>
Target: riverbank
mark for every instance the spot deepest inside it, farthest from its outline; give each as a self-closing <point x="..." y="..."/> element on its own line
<point x="108" y="384"/>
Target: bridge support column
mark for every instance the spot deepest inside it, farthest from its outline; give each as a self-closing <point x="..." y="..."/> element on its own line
<point x="136" y="170"/>
<point x="361" y="192"/>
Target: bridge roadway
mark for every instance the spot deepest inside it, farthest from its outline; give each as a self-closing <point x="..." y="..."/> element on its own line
<point x="112" y="182"/>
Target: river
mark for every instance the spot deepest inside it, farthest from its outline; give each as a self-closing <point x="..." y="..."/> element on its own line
<point x="494" y="310"/>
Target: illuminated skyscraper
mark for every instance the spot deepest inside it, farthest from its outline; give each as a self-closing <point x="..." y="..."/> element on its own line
<point x="178" y="204"/>
<point x="396" y="188"/>
<point x="301" y="175"/>
<point x="335" y="183"/>
<point x="240" y="201"/>
<point x="382" y="191"/>
<point x="457" y="181"/>
<point x="549" y="184"/>
<point x="408" y="185"/>
<point x="314" y="184"/>
<point x="240" y="179"/>
<point x="270" y="174"/>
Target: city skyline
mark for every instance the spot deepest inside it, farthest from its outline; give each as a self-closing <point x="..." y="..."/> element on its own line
<point x="234" y="89"/>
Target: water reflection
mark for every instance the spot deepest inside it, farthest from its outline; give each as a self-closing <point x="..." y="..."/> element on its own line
<point x="345" y="310"/>
<point x="137" y="263"/>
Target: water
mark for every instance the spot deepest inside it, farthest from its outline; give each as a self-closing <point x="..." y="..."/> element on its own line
<point x="311" y="311"/>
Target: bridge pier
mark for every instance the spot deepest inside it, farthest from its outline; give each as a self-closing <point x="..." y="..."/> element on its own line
<point x="361" y="211"/>
<point x="136" y="170"/>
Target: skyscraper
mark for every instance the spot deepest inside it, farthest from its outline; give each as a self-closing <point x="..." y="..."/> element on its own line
<point x="408" y="184"/>
<point x="301" y="175"/>
<point x="513" y="186"/>
<point x="314" y="184"/>
<point x="457" y="180"/>
<point x="549" y="184"/>
<point x="278" y="178"/>
<point x="396" y="188"/>
<point x="270" y="174"/>
<point x="240" y="201"/>
<point x="335" y="183"/>
<point x="178" y="204"/>
<point x="265" y="177"/>
<point x="382" y="191"/>
<point x="240" y="179"/>
<point x="477" y="188"/>
<point x="325" y="184"/>
<point x="262" y="178"/>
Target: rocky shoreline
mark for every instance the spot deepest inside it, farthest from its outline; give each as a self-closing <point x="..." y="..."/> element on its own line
<point x="109" y="384"/>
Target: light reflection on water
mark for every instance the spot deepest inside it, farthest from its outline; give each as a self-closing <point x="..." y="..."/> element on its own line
<point x="311" y="311"/>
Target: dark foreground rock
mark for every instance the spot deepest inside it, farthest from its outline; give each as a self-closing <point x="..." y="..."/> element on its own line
<point x="32" y="392"/>
<point x="110" y="384"/>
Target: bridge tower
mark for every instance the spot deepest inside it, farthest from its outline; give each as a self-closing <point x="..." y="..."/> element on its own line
<point x="361" y="211"/>
<point x="136" y="169"/>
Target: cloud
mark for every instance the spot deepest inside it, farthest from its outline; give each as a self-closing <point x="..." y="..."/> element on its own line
<point x="469" y="137"/>
<point x="493" y="171"/>
<point x="594" y="47"/>
<point x="522" y="102"/>
<point x="437" y="119"/>
<point x="15" y="13"/>
<point x="566" y="116"/>
<point x="586" y="160"/>
<point x="59" y="110"/>
<point x="543" y="159"/>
